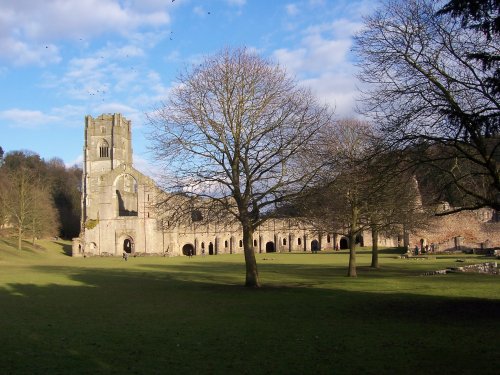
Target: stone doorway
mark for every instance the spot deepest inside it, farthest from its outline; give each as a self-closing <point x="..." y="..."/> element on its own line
<point x="210" y="248"/>
<point x="188" y="249"/>
<point x="344" y="243"/>
<point x="270" y="247"/>
<point x="314" y="245"/>
<point x="128" y="245"/>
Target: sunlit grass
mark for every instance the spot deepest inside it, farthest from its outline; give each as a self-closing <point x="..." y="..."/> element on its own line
<point x="191" y="315"/>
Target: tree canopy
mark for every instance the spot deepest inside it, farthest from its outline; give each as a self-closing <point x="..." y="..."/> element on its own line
<point x="39" y="198"/>
<point x="427" y="95"/>
<point x="233" y="131"/>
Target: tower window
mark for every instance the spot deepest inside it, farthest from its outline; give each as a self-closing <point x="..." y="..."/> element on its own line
<point x="103" y="149"/>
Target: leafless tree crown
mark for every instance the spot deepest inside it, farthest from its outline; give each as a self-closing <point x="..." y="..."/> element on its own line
<point x="423" y="89"/>
<point x="234" y="129"/>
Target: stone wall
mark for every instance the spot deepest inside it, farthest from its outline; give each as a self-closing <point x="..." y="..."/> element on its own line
<point x="465" y="230"/>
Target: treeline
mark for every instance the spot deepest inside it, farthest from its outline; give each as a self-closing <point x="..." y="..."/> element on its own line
<point x="38" y="198"/>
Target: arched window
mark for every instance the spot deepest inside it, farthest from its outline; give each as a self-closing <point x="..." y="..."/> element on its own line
<point x="241" y="243"/>
<point x="255" y="242"/>
<point x="126" y="195"/>
<point x="299" y="241"/>
<point x="103" y="149"/>
<point x="284" y="241"/>
<point x="225" y="243"/>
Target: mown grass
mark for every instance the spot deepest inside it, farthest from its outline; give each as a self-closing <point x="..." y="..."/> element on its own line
<point x="63" y="315"/>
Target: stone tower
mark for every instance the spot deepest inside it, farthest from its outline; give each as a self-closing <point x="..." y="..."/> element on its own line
<point x="108" y="145"/>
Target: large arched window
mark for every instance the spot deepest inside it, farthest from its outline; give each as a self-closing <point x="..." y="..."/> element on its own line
<point x="103" y="149"/>
<point x="126" y="195"/>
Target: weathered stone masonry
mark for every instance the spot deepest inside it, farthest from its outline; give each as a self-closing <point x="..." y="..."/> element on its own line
<point x="117" y="214"/>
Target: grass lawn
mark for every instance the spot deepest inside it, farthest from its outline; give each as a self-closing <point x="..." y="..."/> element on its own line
<point x="152" y="315"/>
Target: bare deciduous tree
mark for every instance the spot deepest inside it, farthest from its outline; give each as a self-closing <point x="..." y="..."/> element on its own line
<point x="42" y="214"/>
<point x="339" y="202"/>
<point x="27" y="208"/>
<point x="426" y="93"/>
<point x="233" y="131"/>
<point x="360" y="190"/>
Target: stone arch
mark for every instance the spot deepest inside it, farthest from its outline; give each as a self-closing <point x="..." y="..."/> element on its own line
<point x="210" y="248"/>
<point x="314" y="245"/>
<point x="344" y="243"/>
<point x="270" y="247"/>
<point x="188" y="249"/>
<point x="359" y="240"/>
<point x="93" y="247"/>
<point x="125" y="186"/>
<point x="128" y="245"/>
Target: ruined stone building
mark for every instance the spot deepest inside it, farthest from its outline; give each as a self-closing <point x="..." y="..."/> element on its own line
<point x="118" y="209"/>
<point x="118" y="212"/>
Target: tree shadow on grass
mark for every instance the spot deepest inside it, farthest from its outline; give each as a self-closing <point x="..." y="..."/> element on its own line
<point x="123" y="321"/>
<point x="197" y="318"/>
<point x="66" y="248"/>
<point x="10" y="243"/>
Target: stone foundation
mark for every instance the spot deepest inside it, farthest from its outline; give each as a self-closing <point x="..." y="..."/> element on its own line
<point x="490" y="268"/>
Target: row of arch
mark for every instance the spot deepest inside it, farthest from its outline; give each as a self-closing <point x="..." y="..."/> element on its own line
<point x="189" y="249"/>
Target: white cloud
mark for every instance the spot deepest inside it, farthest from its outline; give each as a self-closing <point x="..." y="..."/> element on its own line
<point x="116" y="107"/>
<point x="293" y="60"/>
<point x="292" y="9"/>
<point x="29" y="30"/>
<point x="65" y="116"/>
<point x="22" y="53"/>
<point x="96" y="77"/>
<point x="24" y="118"/>
<point x="337" y="89"/>
<point x="149" y="169"/>
<point x="316" y="2"/>
<point x="70" y="115"/>
<point x="322" y="61"/>
<point x="199" y="11"/>
<point x="236" y="2"/>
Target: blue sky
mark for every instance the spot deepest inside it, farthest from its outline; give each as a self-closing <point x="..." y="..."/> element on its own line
<point x="63" y="59"/>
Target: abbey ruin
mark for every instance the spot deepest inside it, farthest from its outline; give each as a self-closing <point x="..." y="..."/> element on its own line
<point x="119" y="216"/>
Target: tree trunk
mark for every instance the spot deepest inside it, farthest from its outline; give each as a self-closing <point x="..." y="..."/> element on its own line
<point x="252" y="276"/>
<point x="352" y="254"/>
<point x="33" y="226"/>
<point x="19" y="237"/>
<point x="374" y="247"/>
<point x="353" y="230"/>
